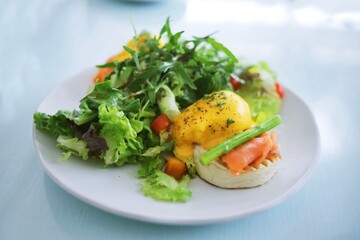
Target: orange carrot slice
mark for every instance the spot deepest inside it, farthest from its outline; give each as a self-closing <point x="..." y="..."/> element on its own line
<point x="175" y="167"/>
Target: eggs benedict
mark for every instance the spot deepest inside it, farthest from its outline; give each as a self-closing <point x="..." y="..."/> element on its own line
<point x="214" y="119"/>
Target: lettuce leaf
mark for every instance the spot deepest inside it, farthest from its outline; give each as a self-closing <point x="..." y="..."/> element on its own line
<point x="163" y="187"/>
<point x="153" y="160"/>
<point x="149" y="166"/>
<point x="258" y="90"/>
<point x="73" y="146"/>
<point x="56" y="125"/>
<point x="154" y="151"/>
<point x="120" y="135"/>
<point x="95" y="143"/>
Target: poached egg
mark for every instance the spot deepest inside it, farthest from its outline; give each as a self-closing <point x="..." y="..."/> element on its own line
<point x="208" y="122"/>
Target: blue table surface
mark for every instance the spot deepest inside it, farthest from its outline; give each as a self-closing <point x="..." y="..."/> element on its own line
<point x="314" y="46"/>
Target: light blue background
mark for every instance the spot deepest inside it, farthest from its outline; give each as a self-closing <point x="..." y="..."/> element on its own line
<point x="314" y="46"/>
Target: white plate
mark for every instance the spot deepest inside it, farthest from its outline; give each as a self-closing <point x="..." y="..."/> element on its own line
<point x="116" y="190"/>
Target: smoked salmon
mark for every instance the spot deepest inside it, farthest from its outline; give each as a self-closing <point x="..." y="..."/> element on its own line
<point x="251" y="153"/>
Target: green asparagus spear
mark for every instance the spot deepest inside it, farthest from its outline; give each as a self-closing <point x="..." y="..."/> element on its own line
<point x="225" y="147"/>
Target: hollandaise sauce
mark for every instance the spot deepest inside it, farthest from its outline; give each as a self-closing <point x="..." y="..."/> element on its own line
<point x="209" y="121"/>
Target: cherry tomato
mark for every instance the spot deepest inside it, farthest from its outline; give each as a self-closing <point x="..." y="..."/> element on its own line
<point x="235" y="82"/>
<point x="280" y="90"/>
<point x="160" y="123"/>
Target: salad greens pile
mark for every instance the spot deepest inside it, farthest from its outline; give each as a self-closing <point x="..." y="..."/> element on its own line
<point x="113" y="121"/>
<point x="259" y="91"/>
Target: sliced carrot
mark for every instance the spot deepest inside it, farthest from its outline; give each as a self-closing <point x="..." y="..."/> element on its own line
<point x="161" y="123"/>
<point x="175" y="167"/>
<point x="102" y="74"/>
<point x="123" y="55"/>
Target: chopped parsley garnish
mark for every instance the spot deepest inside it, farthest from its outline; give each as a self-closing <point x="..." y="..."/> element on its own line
<point x="218" y="104"/>
<point x="229" y="121"/>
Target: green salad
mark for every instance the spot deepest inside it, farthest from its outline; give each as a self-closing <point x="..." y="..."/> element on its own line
<point x="163" y="75"/>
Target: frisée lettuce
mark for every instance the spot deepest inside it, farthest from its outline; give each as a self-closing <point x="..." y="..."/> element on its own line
<point x="164" y="187"/>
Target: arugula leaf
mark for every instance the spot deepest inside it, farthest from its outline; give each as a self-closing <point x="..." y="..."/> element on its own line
<point x="166" y="29"/>
<point x="120" y="75"/>
<point x="102" y="93"/>
<point x="108" y="65"/>
<point x="222" y="48"/>
<point x="183" y="75"/>
<point x="134" y="55"/>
